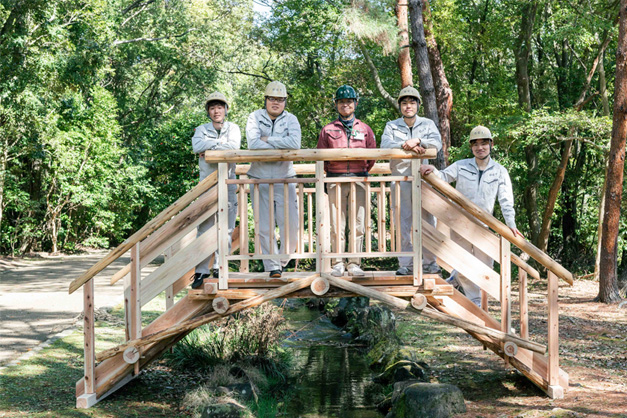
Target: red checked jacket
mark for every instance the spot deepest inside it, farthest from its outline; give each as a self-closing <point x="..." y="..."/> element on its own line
<point x="334" y="135"/>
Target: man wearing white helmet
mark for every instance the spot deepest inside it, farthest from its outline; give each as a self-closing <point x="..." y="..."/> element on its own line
<point x="482" y="180"/>
<point x="216" y="135"/>
<point x="274" y="128"/>
<point x="411" y="133"/>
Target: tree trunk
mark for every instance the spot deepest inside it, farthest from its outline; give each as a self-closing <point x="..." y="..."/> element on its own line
<point x="523" y="49"/>
<point x="421" y="56"/>
<point x="375" y="76"/>
<point x="608" y="283"/>
<point x="3" y="167"/>
<point x="443" y="91"/>
<point x="597" y="261"/>
<point x="404" y="57"/>
<point x="531" y="193"/>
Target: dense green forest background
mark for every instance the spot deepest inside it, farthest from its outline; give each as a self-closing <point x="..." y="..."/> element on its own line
<point x="99" y="99"/>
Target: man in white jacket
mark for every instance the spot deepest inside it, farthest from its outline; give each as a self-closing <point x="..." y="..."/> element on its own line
<point x="482" y="180"/>
<point x="273" y="128"/>
<point x="216" y="135"/>
<point x="411" y="132"/>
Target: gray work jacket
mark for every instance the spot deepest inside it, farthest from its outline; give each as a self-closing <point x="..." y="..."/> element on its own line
<point x="396" y="132"/>
<point x="206" y="138"/>
<point x="284" y="133"/>
<point x="494" y="184"/>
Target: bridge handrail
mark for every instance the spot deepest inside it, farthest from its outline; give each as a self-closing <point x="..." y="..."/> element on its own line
<point x="502" y="229"/>
<point x="330" y="154"/>
<point x="146" y="230"/>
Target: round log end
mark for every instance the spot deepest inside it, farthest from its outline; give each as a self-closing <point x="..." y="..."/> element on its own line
<point x="320" y="286"/>
<point x="510" y="349"/>
<point x="131" y="355"/>
<point x="419" y="301"/>
<point x="220" y="305"/>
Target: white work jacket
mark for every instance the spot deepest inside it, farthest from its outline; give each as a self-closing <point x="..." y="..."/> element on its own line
<point x="396" y="132"/>
<point x="206" y="138"/>
<point x="494" y="183"/>
<point x="282" y="133"/>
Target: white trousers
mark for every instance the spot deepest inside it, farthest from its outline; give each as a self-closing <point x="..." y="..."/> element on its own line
<point x="428" y="258"/>
<point x="338" y="226"/>
<point x="203" y="267"/>
<point x="472" y="291"/>
<point x="266" y="230"/>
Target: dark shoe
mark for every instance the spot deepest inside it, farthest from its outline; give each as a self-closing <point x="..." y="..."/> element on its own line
<point x="275" y="274"/>
<point x="215" y="273"/>
<point x="198" y="279"/>
<point x="405" y="271"/>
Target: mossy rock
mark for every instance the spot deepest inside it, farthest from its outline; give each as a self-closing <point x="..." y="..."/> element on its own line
<point x="418" y="399"/>
<point x="403" y="370"/>
<point x="386" y="353"/>
<point x="225" y="410"/>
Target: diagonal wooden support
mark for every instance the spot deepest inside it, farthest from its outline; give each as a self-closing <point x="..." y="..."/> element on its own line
<point x="433" y="314"/>
<point x="204" y="319"/>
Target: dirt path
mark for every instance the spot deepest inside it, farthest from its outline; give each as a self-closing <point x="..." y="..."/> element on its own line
<point x="34" y="300"/>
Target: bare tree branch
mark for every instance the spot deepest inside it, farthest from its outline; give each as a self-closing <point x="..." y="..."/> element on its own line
<point x="128" y="41"/>
<point x="375" y="75"/>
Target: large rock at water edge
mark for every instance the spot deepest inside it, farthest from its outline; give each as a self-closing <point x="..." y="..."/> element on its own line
<point x="433" y="400"/>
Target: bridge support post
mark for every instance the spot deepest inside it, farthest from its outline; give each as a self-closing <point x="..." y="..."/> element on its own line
<point x="223" y="225"/>
<point x="89" y="396"/>
<point x="416" y="203"/>
<point x="555" y="391"/>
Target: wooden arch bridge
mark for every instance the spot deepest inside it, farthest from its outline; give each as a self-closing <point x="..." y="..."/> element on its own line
<point x="173" y="233"/>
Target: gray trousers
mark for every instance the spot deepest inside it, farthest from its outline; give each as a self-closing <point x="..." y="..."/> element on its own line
<point x="203" y="267"/>
<point x="338" y="226"/>
<point x="428" y="258"/>
<point x="472" y="291"/>
<point x="266" y="230"/>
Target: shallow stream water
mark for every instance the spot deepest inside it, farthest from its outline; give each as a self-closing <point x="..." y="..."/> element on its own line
<point x="330" y="375"/>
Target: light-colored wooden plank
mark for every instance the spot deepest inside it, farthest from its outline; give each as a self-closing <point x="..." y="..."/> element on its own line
<point x="553" y="319"/>
<point x="310" y="221"/>
<point x="368" y="219"/>
<point x="301" y="219"/>
<point x="499" y="227"/>
<point x="146" y="230"/>
<point x="352" y="214"/>
<point x="369" y="255"/>
<point x="320" y="221"/>
<point x="524" y="303"/>
<point x="243" y="225"/>
<point x="310" y="169"/>
<point x="317" y="154"/>
<point x="505" y="261"/>
<point x="183" y="261"/>
<point x="295" y="256"/>
<point x="223" y="225"/>
<point x="286" y="220"/>
<point x="271" y="181"/>
<point x="256" y="215"/>
<point x="416" y="205"/>
<point x="367" y="179"/>
<point x="461" y="260"/>
<point x="339" y="248"/>
<point x="392" y="224"/>
<point x="89" y="335"/>
<point x="397" y="196"/>
<point x="271" y="236"/>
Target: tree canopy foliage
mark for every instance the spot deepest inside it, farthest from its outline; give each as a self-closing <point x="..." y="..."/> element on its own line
<point x="99" y="99"/>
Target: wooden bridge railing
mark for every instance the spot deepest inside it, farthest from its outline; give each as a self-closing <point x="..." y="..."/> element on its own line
<point x="173" y="232"/>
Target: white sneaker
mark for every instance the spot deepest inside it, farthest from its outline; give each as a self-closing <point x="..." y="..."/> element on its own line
<point x="338" y="270"/>
<point x="355" y="270"/>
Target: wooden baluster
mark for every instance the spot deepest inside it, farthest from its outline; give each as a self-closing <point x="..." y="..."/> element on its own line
<point x="243" y="226"/>
<point x="397" y="197"/>
<point x="506" y="284"/>
<point x="301" y="218"/>
<point x="134" y="302"/>
<point x="416" y="205"/>
<point x="353" y="218"/>
<point x="256" y="217"/>
<point x="89" y="336"/>
<point x="286" y="221"/>
<point x="319" y="214"/>
<point x="310" y="228"/>
<point x="271" y="237"/>
<point x="393" y="226"/>
<point x="339" y="248"/>
<point x="523" y="300"/>
<point x="223" y="225"/>
<point x="555" y="391"/>
<point x="368" y="220"/>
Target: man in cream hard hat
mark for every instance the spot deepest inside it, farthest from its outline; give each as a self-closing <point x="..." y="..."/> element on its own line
<point x="483" y="181"/>
<point x="411" y="133"/>
<point x="215" y="135"/>
<point x="274" y="128"/>
<point x="347" y="132"/>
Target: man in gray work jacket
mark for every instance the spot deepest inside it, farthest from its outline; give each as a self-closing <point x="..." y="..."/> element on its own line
<point x="411" y="132"/>
<point x="482" y="180"/>
<point x="216" y="135"/>
<point x="273" y="128"/>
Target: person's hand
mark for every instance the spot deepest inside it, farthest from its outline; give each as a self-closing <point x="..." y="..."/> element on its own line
<point x="410" y="144"/>
<point x="264" y="138"/>
<point x="202" y="155"/>
<point x="516" y="232"/>
<point x="426" y="169"/>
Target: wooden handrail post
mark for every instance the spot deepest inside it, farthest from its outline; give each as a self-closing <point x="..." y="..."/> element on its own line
<point x="88" y="398"/>
<point x="134" y="302"/>
<point x="319" y="215"/>
<point x="416" y="206"/>
<point x="223" y="225"/>
<point x="555" y="391"/>
<point x="243" y="225"/>
<point x="524" y="304"/>
<point x="506" y="285"/>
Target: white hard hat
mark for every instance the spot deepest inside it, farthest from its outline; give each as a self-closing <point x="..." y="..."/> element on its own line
<point x="216" y="96"/>
<point x="276" y="89"/>
<point x="480" y="132"/>
<point x="409" y="91"/>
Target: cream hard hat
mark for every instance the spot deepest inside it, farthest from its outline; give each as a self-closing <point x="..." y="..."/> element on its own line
<point x="480" y="132"/>
<point x="216" y="96"/>
<point x="409" y="91"/>
<point x="276" y="89"/>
